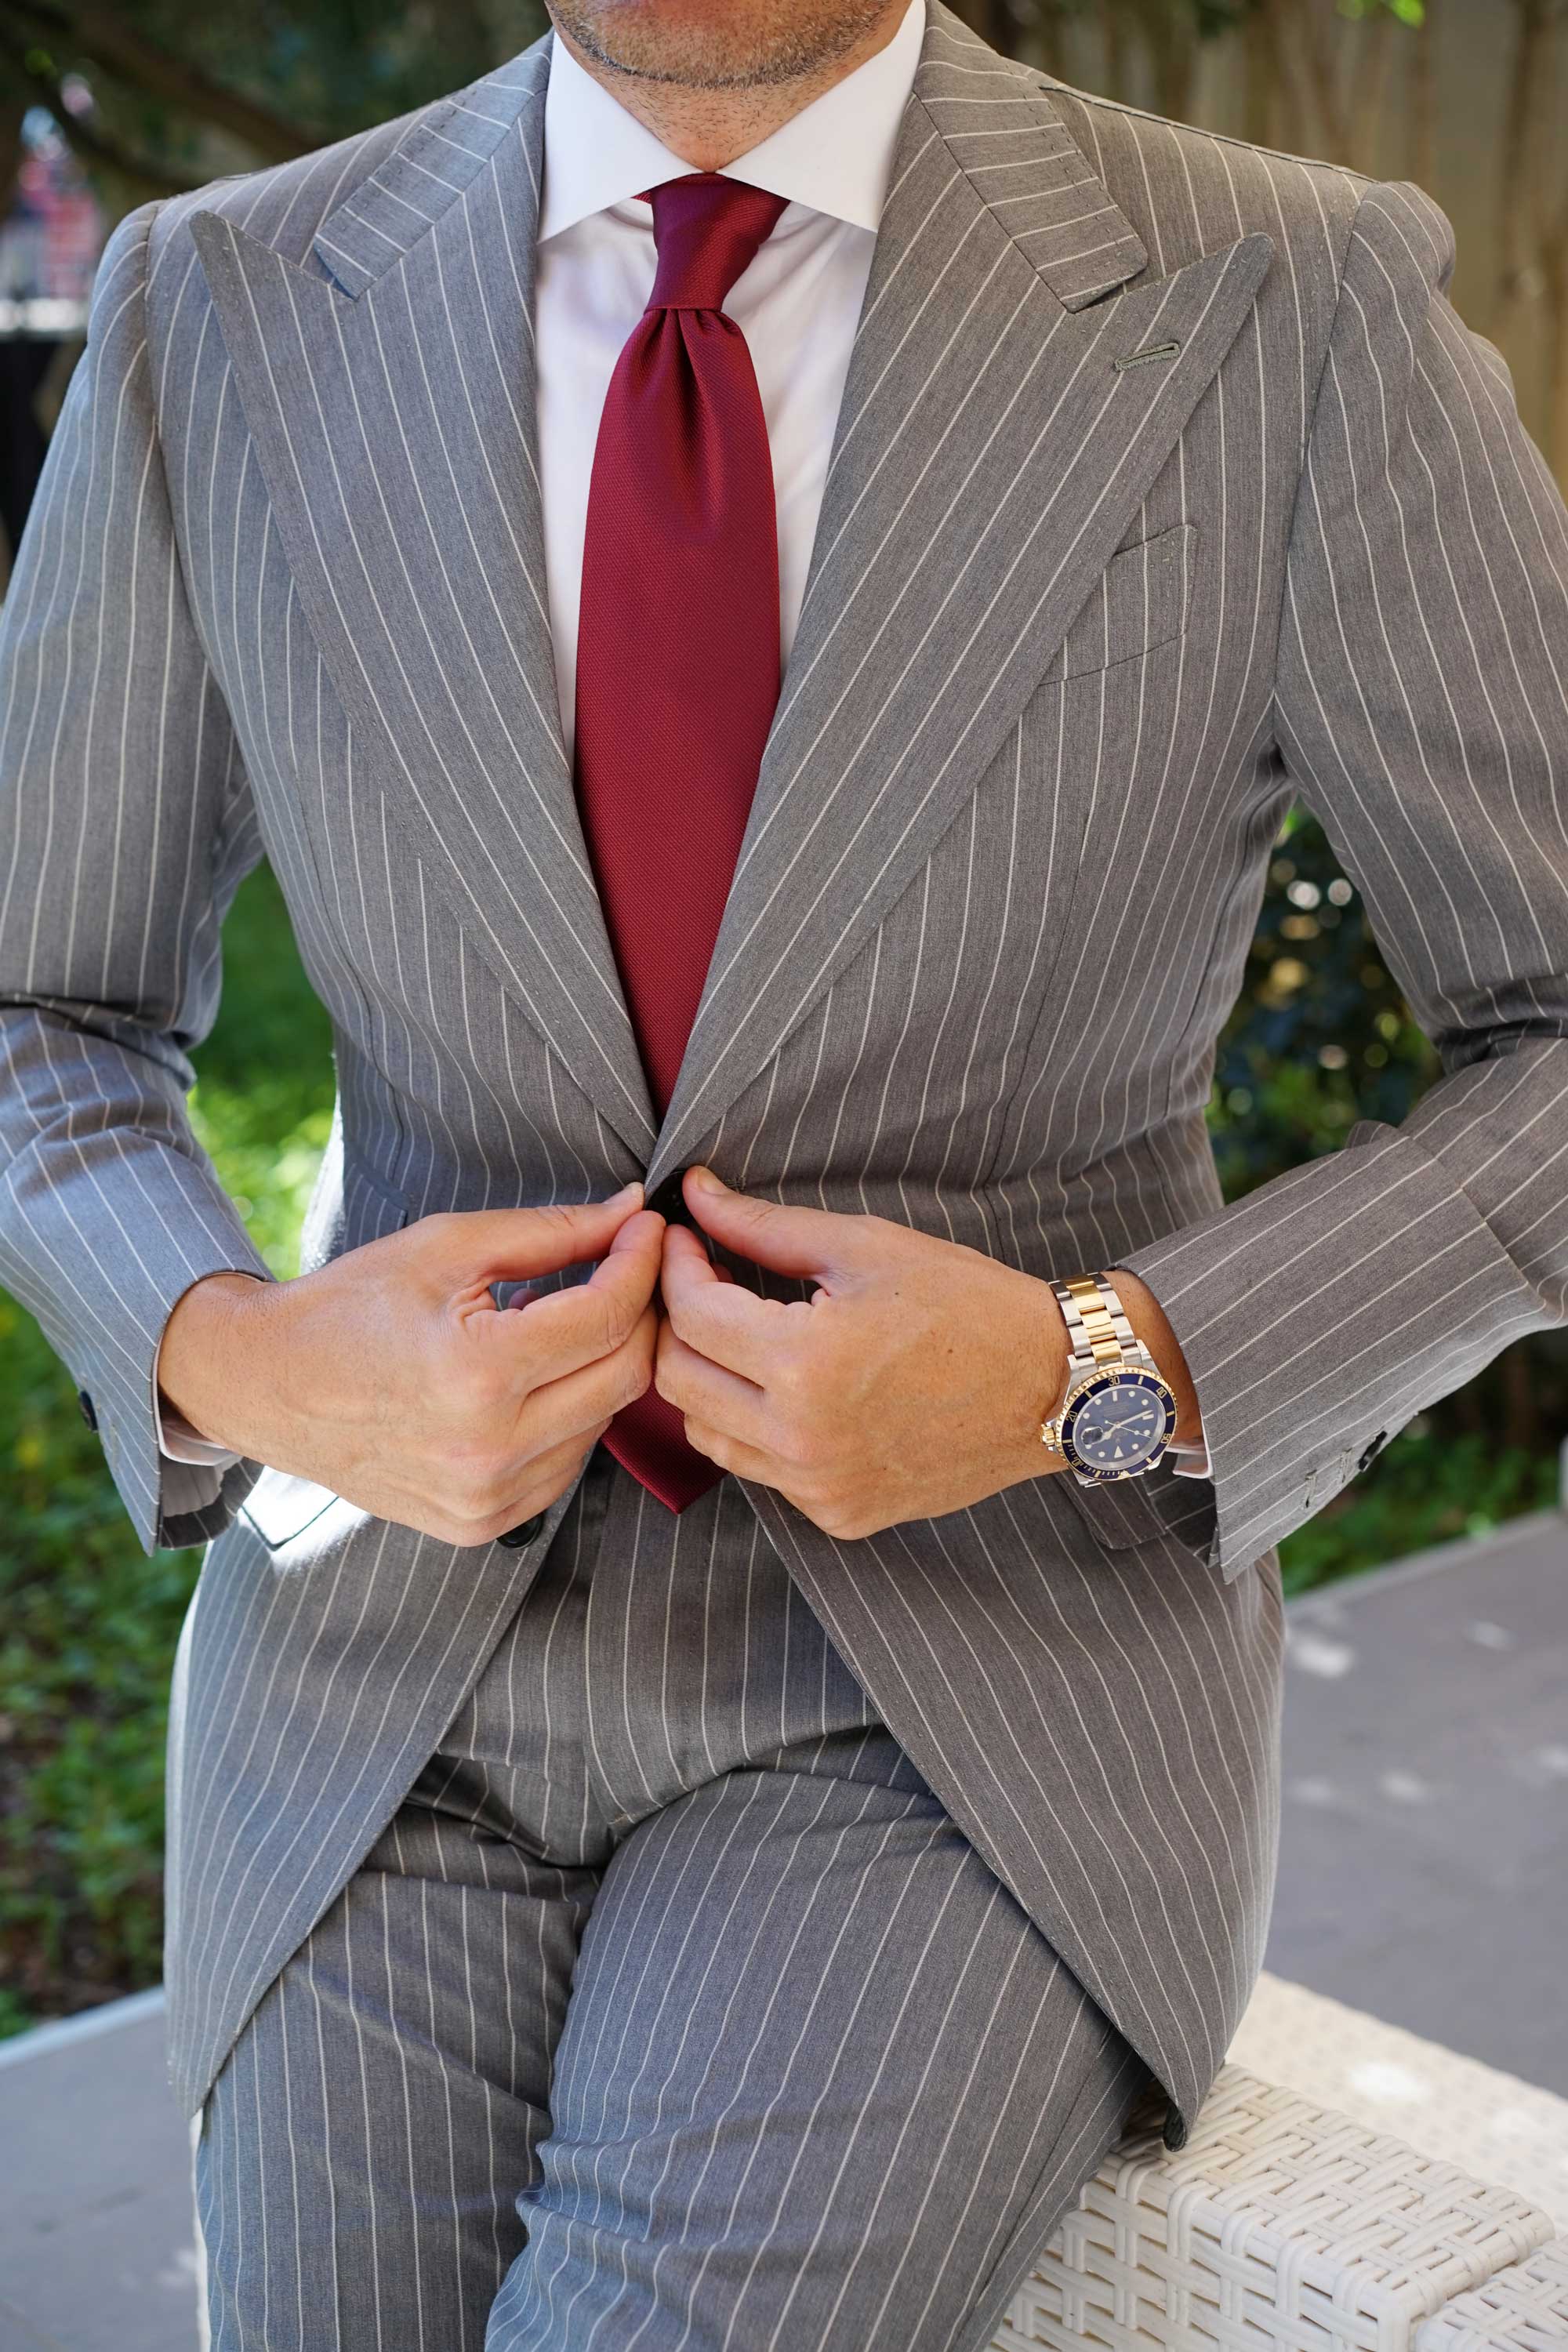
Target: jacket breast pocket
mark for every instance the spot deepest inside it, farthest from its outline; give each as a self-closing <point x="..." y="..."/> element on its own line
<point x="1140" y="602"/>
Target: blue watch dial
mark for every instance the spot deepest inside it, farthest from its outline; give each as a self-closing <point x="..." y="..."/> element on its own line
<point x="1120" y="1424"/>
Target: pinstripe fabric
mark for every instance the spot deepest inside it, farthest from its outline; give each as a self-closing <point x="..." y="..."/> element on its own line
<point x="819" y="2081"/>
<point x="1074" y="634"/>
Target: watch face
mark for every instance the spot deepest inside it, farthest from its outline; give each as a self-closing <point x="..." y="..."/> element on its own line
<point x="1118" y="1424"/>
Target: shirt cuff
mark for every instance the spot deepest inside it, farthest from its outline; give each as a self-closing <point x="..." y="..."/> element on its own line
<point x="1195" y="1461"/>
<point x="178" y="1440"/>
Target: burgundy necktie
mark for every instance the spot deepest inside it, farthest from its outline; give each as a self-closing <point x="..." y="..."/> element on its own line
<point x="678" y="661"/>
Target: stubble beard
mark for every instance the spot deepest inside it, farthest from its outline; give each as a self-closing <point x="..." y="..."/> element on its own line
<point x="754" y="47"/>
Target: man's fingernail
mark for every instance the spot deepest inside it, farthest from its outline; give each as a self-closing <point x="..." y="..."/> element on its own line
<point x="624" y="1193"/>
<point x="706" y="1181"/>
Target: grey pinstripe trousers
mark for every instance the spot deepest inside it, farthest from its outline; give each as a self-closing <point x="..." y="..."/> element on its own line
<point x="669" y="2010"/>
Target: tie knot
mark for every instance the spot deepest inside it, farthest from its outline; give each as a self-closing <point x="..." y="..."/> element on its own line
<point x="706" y="229"/>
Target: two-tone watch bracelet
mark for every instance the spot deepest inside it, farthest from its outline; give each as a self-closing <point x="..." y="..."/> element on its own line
<point x="1097" y="1332"/>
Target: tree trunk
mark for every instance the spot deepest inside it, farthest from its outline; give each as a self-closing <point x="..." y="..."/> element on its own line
<point x="1370" y="78"/>
<point x="1424" y="100"/>
<point x="1051" y="40"/>
<point x="1114" y="25"/>
<point x="12" y="109"/>
<point x="1515" y="209"/>
<point x="1553" y="250"/>
<point x="1314" y="41"/>
<point x="1261" y="77"/>
<point x="1521" y="1405"/>
<point x="103" y="37"/>
<point x="129" y="179"/>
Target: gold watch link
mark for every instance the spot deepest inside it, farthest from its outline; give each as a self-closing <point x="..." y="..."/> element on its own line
<point x="1096" y="1318"/>
<point x="1101" y="1342"/>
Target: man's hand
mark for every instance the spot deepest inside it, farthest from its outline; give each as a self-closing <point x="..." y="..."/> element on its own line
<point x="391" y="1377"/>
<point x="913" y="1382"/>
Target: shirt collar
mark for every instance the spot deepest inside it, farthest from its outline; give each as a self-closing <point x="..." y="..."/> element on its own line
<point x="835" y="155"/>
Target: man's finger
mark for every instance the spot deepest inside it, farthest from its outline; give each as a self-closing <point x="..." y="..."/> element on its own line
<point x="695" y="1384"/>
<point x="812" y="1242"/>
<point x="733" y="1454"/>
<point x="567" y="1330"/>
<point x="723" y="1320"/>
<point x="594" y="1392"/>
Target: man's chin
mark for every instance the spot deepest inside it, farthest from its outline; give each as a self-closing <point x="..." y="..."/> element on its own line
<point x="712" y="44"/>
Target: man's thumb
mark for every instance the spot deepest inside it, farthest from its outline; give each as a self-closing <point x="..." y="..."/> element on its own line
<point x="785" y="1240"/>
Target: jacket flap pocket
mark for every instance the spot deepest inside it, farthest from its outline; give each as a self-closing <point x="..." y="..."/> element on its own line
<point x="1139" y="601"/>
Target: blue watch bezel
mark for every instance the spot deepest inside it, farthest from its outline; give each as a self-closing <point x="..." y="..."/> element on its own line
<point x="1117" y="1376"/>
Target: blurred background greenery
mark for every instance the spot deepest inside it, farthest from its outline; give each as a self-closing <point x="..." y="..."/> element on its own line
<point x="145" y="97"/>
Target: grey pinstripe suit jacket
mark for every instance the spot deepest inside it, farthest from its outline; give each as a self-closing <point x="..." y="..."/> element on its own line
<point x="1166" y="487"/>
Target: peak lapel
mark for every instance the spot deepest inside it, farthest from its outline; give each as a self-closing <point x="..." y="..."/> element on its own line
<point x="391" y="407"/>
<point x="989" y="456"/>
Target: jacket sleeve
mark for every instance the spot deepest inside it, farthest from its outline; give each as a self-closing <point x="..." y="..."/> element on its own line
<point x="1422" y="696"/>
<point x="127" y="825"/>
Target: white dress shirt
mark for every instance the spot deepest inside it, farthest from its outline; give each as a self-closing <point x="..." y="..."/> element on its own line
<point x="797" y="302"/>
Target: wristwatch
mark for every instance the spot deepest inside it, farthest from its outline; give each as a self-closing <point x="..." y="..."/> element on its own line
<point x="1117" y="1414"/>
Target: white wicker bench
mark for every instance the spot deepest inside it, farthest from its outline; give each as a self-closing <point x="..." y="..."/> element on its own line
<point x="1286" y="2227"/>
<point x="1523" y="2309"/>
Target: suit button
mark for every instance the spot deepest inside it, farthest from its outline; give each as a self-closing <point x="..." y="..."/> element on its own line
<point x="87" y="1414"/>
<point x="668" y="1200"/>
<point x="518" y="1538"/>
<point x="1371" y="1447"/>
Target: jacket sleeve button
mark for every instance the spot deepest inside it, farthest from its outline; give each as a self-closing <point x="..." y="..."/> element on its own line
<point x="87" y="1414"/>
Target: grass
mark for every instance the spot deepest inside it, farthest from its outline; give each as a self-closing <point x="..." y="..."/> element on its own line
<point x="89" y="1623"/>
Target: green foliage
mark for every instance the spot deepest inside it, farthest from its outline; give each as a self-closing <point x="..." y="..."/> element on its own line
<point x="90" y="1627"/>
<point x="263" y="1100"/>
<point x="1407" y="11"/>
<point x="1320" y="1035"/>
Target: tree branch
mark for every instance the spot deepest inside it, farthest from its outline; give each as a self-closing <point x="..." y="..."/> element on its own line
<point x="137" y="175"/>
<point x="108" y="41"/>
<point x="12" y="109"/>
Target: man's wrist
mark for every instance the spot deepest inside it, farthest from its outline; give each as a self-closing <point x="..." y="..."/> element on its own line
<point x="207" y="1330"/>
<point x="1051" y="1356"/>
<point x="1147" y="1318"/>
<point x="1188" y="1443"/>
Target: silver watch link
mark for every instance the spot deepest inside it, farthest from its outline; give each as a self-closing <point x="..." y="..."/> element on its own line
<point x="1117" y="1413"/>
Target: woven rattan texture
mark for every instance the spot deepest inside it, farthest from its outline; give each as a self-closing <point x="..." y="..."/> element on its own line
<point x="1489" y="2124"/>
<point x="1523" y="2309"/>
<point x="1279" y="2227"/>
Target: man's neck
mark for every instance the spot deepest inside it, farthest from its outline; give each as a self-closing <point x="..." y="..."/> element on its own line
<point x="710" y="128"/>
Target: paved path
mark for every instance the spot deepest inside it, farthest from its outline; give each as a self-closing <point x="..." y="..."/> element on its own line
<point x="1423" y="1879"/>
<point x="97" y="2237"/>
<point x="1423" y="1865"/>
